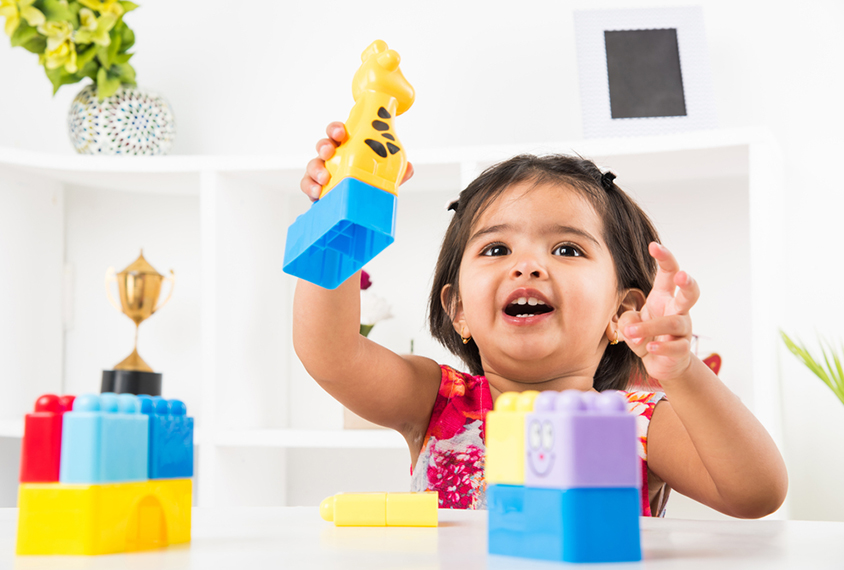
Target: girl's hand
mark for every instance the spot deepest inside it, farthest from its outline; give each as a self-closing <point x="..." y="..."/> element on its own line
<point x="661" y="333"/>
<point x="316" y="174"/>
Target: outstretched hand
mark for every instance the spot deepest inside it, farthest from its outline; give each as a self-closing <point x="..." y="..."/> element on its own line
<point x="661" y="332"/>
<point x="316" y="174"/>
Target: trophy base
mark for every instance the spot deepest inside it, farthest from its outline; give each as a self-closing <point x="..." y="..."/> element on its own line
<point x="132" y="382"/>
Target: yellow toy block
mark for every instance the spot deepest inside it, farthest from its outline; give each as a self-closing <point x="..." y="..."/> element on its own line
<point x="373" y="153"/>
<point x="505" y="438"/>
<point x="381" y="509"/>
<point x="412" y="509"/>
<point x="61" y="518"/>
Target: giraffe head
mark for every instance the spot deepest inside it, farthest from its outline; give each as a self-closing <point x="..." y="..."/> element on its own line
<point x="379" y="71"/>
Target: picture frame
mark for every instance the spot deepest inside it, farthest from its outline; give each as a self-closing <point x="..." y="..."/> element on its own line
<point x="643" y="71"/>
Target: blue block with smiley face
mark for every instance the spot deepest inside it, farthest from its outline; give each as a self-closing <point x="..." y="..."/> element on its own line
<point x="577" y="439"/>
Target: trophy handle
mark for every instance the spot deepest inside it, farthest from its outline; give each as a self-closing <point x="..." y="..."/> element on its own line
<point x="111" y="276"/>
<point x="172" y="280"/>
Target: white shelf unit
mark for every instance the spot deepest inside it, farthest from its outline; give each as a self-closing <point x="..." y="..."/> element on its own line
<point x="266" y="433"/>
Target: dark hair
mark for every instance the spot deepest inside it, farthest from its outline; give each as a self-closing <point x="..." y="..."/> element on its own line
<point x="627" y="233"/>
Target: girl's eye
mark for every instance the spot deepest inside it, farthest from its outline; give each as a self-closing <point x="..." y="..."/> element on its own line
<point x="495" y="249"/>
<point x="567" y="250"/>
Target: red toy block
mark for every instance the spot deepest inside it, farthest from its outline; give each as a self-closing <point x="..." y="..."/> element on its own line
<point x="42" y="439"/>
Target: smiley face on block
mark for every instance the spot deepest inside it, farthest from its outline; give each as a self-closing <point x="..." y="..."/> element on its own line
<point x="577" y="439"/>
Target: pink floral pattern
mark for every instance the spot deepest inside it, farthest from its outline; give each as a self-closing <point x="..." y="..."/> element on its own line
<point x="452" y="458"/>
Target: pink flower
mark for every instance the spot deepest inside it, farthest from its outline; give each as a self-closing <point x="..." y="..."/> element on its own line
<point x="365" y="282"/>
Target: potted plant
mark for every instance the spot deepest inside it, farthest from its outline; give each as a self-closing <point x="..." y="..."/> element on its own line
<point x="79" y="39"/>
<point x="830" y="371"/>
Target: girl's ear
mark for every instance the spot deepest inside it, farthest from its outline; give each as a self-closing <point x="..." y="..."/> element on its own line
<point x="454" y="307"/>
<point x="632" y="300"/>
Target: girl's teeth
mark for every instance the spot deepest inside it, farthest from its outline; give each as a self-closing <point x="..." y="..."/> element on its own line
<point x="527" y="301"/>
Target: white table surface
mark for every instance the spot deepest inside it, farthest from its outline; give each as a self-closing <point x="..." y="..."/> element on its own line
<point x="296" y="537"/>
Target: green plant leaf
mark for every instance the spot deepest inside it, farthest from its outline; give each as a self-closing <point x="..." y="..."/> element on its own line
<point x="59" y="77"/>
<point x="27" y="37"/>
<point x="122" y="58"/>
<point x="85" y="54"/>
<point x="106" y="85"/>
<point x="57" y="11"/>
<point x="128" y="6"/>
<point x="833" y="376"/>
<point x="90" y="69"/>
<point x="127" y="73"/>
<point x="113" y="47"/>
<point x="127" y="37"/>
<point x="23" y="34"/>
<point x="103" y="57"/>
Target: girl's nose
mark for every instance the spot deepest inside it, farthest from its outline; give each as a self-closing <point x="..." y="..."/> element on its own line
<point x="528" y="265"/>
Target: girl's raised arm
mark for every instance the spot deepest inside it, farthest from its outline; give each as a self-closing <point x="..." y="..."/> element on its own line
<point x="390" y="390"/>
<point x="702" y="441"/>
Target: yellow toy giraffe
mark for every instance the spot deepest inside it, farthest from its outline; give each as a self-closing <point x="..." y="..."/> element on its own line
<point x="372" y="153"/>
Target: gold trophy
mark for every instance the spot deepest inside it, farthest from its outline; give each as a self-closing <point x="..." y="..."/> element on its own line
<point x="139" y="286"/>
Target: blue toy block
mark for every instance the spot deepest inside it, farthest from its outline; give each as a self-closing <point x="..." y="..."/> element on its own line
<point x="170" y="438"/>
<point x="104" y="440"/>
<point x="507" y="522"/>
<point x="577" y="439"/>
<point x="340" y="233"/>
<point x="582" y="525"/>
<point x="601" y="525"/>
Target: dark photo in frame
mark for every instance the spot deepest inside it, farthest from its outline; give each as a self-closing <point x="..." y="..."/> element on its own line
<point x="645" y="78"/>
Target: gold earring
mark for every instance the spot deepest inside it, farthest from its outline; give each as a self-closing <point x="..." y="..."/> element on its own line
<point x="614" y="342"/>
<point x="465" y="339"/>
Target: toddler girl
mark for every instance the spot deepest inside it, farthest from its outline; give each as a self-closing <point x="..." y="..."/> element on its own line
<point x="549" y="278"/>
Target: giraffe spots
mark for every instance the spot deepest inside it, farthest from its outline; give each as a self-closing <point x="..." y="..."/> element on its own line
<point x="384" y="113"/>
<point x="388" y="136"/>
<point x="380" y="126"/>
<point x="379" y="148"/>
<point x="392" y="148"/>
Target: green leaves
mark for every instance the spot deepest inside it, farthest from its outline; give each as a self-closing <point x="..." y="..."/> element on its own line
<point x="830" y="372"/>
<point x="59" y="77"/>
<point x="58" y="11"/>
<point x="93" y="31"/>
<point x="27" y="37"/>
<point x="107" y="84"/>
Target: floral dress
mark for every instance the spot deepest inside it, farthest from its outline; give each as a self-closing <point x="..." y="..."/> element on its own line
<point x="452" y="458"/>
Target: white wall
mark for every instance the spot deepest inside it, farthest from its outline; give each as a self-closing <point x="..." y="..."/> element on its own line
<point x="264" y="77"/>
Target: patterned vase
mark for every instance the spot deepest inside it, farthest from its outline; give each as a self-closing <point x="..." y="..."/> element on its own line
<point x="132" y="121"/>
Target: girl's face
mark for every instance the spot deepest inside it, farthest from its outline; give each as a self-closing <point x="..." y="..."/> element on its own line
<point x="538" y="290"/>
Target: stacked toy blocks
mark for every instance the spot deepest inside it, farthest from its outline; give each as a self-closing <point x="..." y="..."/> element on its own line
<point x="355" y="217"/>
<point x="105" y="473"/>
<point x="578" y="496"/>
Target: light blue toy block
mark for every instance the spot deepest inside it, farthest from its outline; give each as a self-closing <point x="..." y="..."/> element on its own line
<point x="577" y="439"/>
<point x="340" y="233"/>
<point x="507" y="523"/>
<point x="583" y="525"/>
<point x="170" y="438"/>
<point x="104" y="440"/>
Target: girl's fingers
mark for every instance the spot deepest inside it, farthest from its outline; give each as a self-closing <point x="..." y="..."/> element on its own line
<point x="677" y="348"/>
<point x="679" y="326"/>
<point x="688" y="292"/>
<point x="315" y="176"/>
<point x="336" y="131"/>
<point x="668" y="267"/>
<point x="325" y="148"/>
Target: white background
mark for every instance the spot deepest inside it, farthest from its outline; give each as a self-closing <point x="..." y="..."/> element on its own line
<point x="264" y="77"/>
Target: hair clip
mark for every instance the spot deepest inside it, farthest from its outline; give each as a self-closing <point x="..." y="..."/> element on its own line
<point x="453" y="205"/>
<point x="607" y="180"/>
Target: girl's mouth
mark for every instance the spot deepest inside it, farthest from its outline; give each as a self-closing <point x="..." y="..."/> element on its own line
<point x="525" y="308"/>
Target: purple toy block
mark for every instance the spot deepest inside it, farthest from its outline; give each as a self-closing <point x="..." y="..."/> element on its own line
<point x="577" y="439"/>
